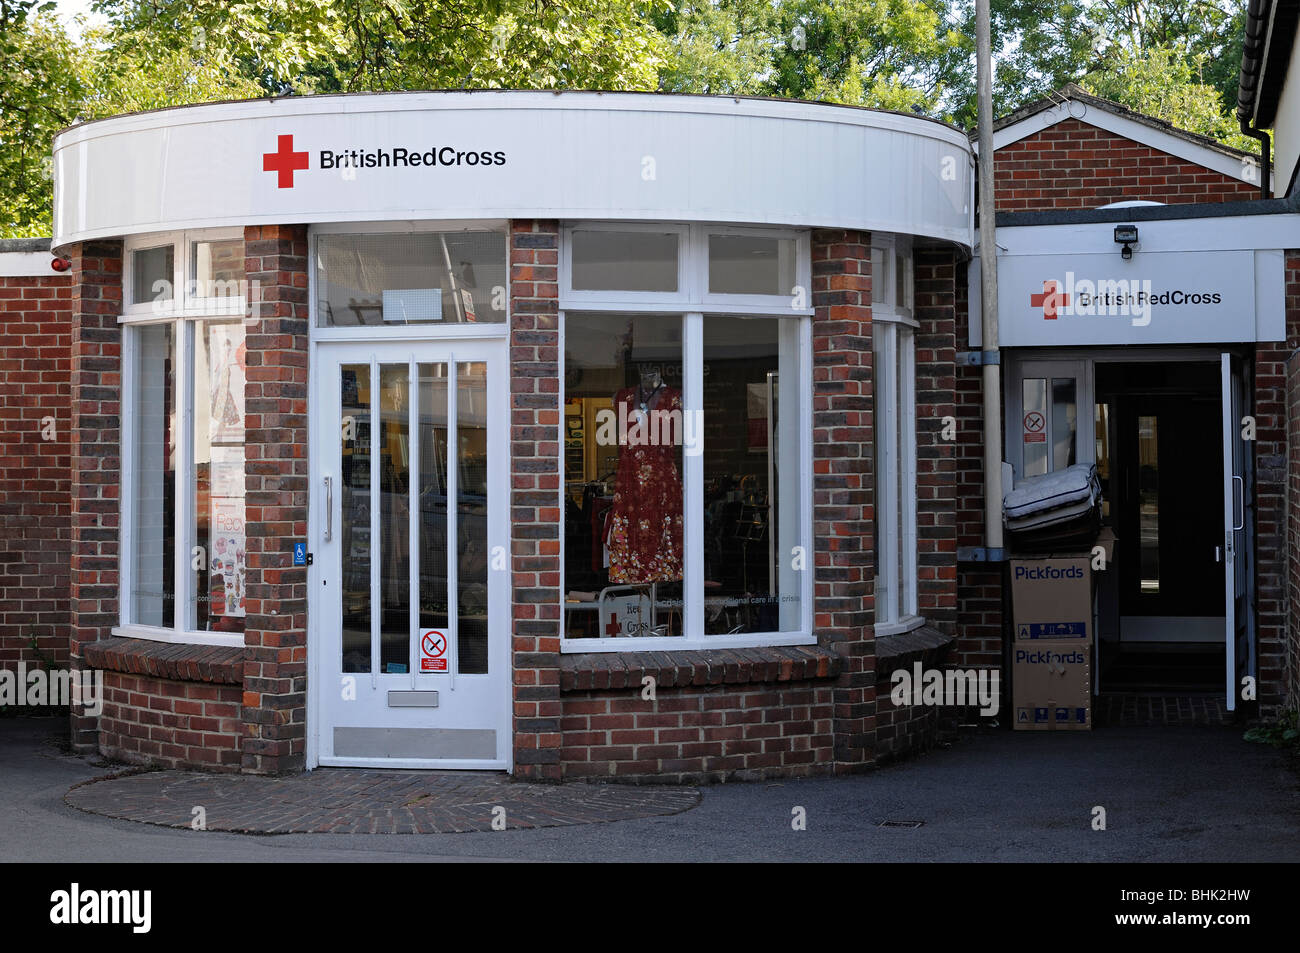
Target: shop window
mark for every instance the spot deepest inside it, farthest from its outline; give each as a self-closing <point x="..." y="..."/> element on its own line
<point x="624" y="431"/>
<point x="894" y="422"/>
<point x="392" y="279"/>
<point x="752" y="525"/>
<point x="183" y="569"/>
<point x="743" y="264"/>
<point x="608" y="260"/>
<point x="686" y="455"/>
<point x="218" y="269"/>
<point x="153" y="414"/>
<point x="153" y="275"/>
<point x="216" y="520"/>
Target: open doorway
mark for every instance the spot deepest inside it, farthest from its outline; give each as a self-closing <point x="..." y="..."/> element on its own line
<point x="1159" y="445"/>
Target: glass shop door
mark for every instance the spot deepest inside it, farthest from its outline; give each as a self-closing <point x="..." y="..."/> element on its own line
<point x="410" y="586"/>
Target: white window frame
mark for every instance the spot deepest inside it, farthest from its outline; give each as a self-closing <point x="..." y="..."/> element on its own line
<point x="623" y="300"/>
<point x="692" y="274"/>
<point x="183" y="314"/>
<point x="801" y="291"/>
<point x="896" y="403"/>
<point x="694" y="312"/>
<point x="395" y="332"/>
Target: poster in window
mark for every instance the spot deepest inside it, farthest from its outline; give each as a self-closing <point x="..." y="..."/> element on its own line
<point x="227" y="374"/>
<point x="227" y="560"/>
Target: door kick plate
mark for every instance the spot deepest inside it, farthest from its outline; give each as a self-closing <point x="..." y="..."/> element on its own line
<point x="412" y="699"/>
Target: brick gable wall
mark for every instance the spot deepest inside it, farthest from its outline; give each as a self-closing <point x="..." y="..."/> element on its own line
<point x="1077" y="165"/>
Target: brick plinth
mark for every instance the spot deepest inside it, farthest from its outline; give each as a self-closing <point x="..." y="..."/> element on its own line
<point x="173" y="724"/>
<point x="699" y="733"/>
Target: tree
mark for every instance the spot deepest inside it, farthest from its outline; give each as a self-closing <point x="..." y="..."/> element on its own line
<point x="892" y="54"/>
<point x="39" y="94"/>
<point x="1040" y="45"/>
<point x="302" y="46"/>
<point x="724" y="48"/>
<point x="1164" y="82"/>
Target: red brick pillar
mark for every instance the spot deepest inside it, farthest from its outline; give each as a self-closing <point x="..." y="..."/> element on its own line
<point x="535" y="514"/>
<point x="843" y="489"/>
<point x="274" y="712"/>
<point x="935" y="273"/>
<point x="1275" y="667"/>
<point x="95" y="454"/>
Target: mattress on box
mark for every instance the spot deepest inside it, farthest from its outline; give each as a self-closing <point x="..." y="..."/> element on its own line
<point x="1055" y="490"/>
<point x="1063" y="514"/>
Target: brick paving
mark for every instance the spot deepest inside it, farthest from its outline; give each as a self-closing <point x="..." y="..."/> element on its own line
<point x="1129" y="710"/>
<point x="365" y="801"/>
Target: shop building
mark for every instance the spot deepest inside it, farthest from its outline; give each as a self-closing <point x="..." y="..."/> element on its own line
<point x="702" y="378"/>
<point x="635" y="338"/>
<point x="1146" y="319"/>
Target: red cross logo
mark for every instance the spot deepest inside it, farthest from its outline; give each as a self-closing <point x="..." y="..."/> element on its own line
<point x="1049" y="300"/>
<point x="284" y="161"/>
<point x="613" y="627"/>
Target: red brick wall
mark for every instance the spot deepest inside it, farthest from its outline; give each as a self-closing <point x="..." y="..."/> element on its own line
<point x="843" y="488"/>
<point x="1076" y="165"/>
<point x="979" y="585"/>
<point x="35" y="470"/>
<point x="1290" y="649"/>
<point x="173" y="724"/>
<point x="95" y="453"/>
<point x="935" y="273"/>
<point x="710" y="733"/>
<point x="275" y="445"/>
<point x="535" y="515"/>
<point x="1274" y="416"/>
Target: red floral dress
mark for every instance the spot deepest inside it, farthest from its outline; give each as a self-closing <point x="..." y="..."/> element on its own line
<point x="645" y="534"/>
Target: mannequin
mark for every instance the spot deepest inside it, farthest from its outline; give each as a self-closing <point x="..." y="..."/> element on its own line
<point x="645" y="526"/>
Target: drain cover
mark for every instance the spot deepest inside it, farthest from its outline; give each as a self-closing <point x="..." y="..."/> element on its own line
<point x="911" y="824"/>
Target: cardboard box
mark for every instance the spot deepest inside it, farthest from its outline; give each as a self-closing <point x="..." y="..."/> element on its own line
<point x="1051" y="598"/>
<point x="1051" y="685"/>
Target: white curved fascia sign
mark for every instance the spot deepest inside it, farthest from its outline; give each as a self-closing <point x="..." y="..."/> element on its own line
<point x="412" y="156"/>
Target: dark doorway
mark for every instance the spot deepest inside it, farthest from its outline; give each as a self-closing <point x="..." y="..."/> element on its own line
<point x="1164" y="488"/>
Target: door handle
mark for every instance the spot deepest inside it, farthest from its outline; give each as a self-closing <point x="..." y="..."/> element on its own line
<point x="329" y="509"/>
<point x="1241" y="502"/>
<point x="1218" y="554"/>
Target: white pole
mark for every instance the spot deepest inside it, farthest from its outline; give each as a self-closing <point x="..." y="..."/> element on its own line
<point x="989" y="283"/>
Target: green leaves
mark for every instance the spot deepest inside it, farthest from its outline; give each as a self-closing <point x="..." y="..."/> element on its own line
<point x="40" y="88"/>
<point x="1166" y="82"/>
<point x="1176" y="59"/>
